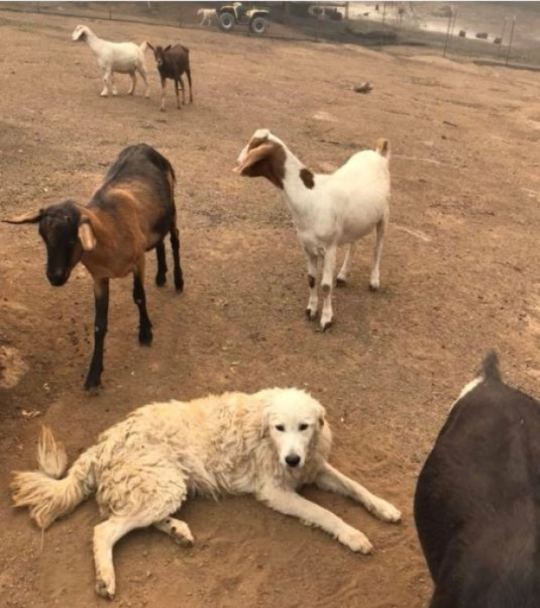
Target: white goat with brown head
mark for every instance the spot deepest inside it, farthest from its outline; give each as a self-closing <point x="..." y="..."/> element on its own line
<point x="327" y="210"/>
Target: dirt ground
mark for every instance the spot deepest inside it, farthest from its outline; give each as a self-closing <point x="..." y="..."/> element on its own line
<point x="459" y="275"/>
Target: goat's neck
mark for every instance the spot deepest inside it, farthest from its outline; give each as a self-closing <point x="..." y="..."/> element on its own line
<point x="95" y="43"/>
<point x="297" y="195"/>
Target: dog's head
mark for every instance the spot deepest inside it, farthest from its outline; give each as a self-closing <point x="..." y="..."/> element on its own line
<point x="293" y="420"/>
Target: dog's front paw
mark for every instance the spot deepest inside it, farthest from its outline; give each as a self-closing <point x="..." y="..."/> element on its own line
<point x="356" y="541"/>
<point x="386" y="511"/>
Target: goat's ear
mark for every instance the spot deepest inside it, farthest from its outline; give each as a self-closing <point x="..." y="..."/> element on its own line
<point x="254" y="156"/>
<point x="31" y="217"/>
<point x="166" y="48"/>
<point x="321" y="416"/>
<point x="86" y="236"/>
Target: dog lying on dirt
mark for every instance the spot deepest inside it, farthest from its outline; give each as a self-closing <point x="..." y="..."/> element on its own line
<point x="142" y="469"/>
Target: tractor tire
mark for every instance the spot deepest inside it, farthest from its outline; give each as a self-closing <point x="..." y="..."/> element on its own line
<point x="226" y="22"/>
<point x="258" y="25"/>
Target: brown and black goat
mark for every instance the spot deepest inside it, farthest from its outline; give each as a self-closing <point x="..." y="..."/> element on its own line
<point x="129" y="214"/>
<point x="172" y="62"/>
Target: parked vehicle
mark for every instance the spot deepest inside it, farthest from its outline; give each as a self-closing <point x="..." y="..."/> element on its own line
<point x="231" y="15"/>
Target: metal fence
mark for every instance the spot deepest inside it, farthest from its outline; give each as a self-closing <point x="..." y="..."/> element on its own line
<point x="500" y="32"/>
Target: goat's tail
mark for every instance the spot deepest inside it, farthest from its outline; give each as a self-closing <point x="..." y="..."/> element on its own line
<point x="490" y="366"/>
<point x="383" y="147"/>
<point x="47" y="495"/>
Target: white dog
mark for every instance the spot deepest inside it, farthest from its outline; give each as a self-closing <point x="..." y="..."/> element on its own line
<point x="142" y="469"/>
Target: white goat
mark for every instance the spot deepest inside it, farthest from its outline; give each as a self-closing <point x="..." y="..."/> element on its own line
<point x="122" y="57"/>
<point x="207" y="14"/>
<point x="327" y="210"/>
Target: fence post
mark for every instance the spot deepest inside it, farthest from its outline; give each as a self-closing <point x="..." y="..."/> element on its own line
<point x="511" y="39"/>
<point x="383" y="11"/>
<point x="446" y="40"/>
<point x="110" y="11"/>
<point x="502" y="38"/>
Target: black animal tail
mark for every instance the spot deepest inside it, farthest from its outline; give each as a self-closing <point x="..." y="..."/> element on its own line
<point x="490" y="366"/>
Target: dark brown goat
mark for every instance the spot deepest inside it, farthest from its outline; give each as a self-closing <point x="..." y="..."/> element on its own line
<point x="131" y="213"/>
<point x="477" y="501"/>
<point x="172" y="62"/>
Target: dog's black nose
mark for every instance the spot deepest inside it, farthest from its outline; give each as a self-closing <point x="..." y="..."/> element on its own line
<point x="292" y="460"/>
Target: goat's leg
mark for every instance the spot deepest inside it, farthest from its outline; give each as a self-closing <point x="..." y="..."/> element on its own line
<point x="144" y="75"/>
<point x="161" y="277"/>
<point x="313" y="302"/>
<point x="106" y="86"/>
<point x="101" y="295"/>
<point x="175" y="246"/>
<point x="139" y="297"/>
<point x="162" y="108"/>
<point x="183" y="92"/>
<point x="332" y="480"/>
<point x="133" y="83"/>
<point x="114" y="90"/>
<point x="327" y="284"/>
<point x="344" y="272"/>
<point x="374" y="282"/>
<point x="188" y="73"/>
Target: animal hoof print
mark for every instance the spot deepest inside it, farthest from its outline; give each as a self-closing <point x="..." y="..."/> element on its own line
<point x="102" y="591"/>
<point x="341" y="282"/>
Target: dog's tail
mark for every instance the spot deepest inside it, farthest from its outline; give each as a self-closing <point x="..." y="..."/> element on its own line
<point x="45" y="492"/>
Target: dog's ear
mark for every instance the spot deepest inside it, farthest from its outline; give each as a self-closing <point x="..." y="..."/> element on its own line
<point x="265" y="419"/>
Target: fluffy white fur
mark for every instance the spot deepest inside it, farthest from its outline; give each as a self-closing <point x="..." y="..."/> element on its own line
<point x="268" y="444"/>
<point x="122" y="57"/>
<point x="329" y="211"/>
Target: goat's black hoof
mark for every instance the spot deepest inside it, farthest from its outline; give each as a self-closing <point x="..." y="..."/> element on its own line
<point x="145" y="340"/>
<point x="311" y="315"/>
<point x="340" y="282"/>
<point x="92" y="387"/>
<point x="179" y="284"/>
<point x="326" y="326"/>
<point x="374" y="287"/>
<point x="160" y="281"/>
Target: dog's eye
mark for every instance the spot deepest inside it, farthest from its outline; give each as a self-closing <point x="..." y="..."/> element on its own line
<point x="280" y="427"/>
<point x="303" y="427"/>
